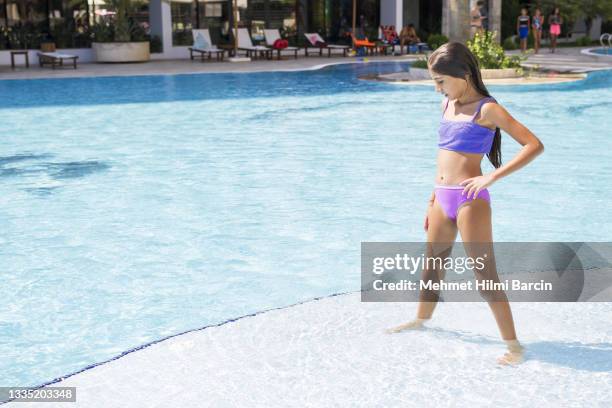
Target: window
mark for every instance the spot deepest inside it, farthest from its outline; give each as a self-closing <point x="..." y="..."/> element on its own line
<point x="183" y="21"/>
<point x="215" y="15"/>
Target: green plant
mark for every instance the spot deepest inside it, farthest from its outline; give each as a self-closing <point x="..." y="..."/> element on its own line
<point x="436" y="40"/>
<point x="120" y="27"/>
<point x="583" y="41"/>
<point x="490" y="55"/>
<point x="420" y="63"/>
<point x="509" y="44"/>
<point x="22" y="35"/>
<point x="63" y="34"/>
<point x="3" y="38"/>
<point x="156" y="44"/>
<point x="103" y="31"/>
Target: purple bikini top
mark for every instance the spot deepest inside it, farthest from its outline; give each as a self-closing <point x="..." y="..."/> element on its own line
<point x="464" y="136"/>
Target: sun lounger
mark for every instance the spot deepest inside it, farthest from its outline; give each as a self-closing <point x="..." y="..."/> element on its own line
<point x="365" y="43"/>
<point x="314" y="40"/>
<point x="56" y="59"/>
<point x="203" y="45"/>
<point x="271" y="36"/>
<point x="246" y="44"/>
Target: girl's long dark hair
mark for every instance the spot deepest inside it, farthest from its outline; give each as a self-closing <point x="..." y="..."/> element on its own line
<point x="456" y="60"/>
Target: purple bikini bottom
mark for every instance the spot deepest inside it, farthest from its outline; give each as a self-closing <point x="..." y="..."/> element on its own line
<point x="451" y="199"/>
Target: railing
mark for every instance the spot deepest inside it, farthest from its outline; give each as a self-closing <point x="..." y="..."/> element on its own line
<point x="603" y="44"/>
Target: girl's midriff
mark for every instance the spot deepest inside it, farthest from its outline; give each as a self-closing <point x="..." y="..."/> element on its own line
<point x="454" y="167"/>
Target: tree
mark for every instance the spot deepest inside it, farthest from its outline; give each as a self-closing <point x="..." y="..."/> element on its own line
<point x="572" y="10"/>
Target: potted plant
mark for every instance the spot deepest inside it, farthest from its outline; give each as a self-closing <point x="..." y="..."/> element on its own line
<point x="494" y="63"/>
<point x="118" y="39"/>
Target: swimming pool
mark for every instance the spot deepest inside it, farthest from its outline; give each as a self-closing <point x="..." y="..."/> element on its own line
<point x="602" y="51"/>
<point x="137" y="207"/>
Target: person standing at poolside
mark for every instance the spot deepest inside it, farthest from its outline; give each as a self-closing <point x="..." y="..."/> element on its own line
<point x="460" y="201"/>
<point x="484" y="14"/>
<point x="476" y="18"/>
<point x="522" y="28"/>
<point x="537" y="23"/>
<point x="555" y="20"/>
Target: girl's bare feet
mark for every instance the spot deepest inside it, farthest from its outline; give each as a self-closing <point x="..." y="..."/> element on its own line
<point x="515" y="354"/>
<point x="411" y="325"/>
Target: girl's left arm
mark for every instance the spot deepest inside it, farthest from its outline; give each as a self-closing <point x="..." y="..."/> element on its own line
<point x="532" y="146"/>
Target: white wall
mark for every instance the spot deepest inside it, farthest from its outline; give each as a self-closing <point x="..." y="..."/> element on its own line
<point x="391" y="13"/>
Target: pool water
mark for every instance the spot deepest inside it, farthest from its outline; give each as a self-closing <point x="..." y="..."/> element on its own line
<point x="134" y="208"/>
<point x="603" y="51"/>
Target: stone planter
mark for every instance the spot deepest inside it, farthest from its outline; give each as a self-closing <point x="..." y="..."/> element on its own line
<point x="421" y="74"/>
<point x="121" y="51"/>
<point x="499" y="73"/>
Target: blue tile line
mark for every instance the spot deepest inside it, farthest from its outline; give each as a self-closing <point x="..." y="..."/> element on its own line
<point x="143" y="346"/>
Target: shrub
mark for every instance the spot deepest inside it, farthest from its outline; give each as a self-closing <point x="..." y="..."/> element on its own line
<point x="489" y="54"/>
<point x="583" y="41"/>
<point x="436" y="40"/>
<point x="156" y="44"/>
<point x="103" y="31"/>
<point x="510" y="44"/>
<point x="420" y="63"/>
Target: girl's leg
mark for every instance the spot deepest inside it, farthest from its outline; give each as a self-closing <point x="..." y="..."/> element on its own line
<point x="553" y="42"/>
<point x="474" y="222"/>
<point x="441" y="234"/>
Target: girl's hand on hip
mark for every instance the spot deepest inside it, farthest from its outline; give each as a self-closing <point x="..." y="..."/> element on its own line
<point x="474" y="185"/>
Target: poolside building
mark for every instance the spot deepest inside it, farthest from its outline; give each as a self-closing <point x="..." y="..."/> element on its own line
<point x="25" y="22"/>
<point x="169" y="23"/>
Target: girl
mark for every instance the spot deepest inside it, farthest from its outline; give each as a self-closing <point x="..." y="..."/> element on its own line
<point x="470" y="128"/>
<point x="522" y="28"/>
<point x="555" y="20"/>
<point x="537" y="23"/>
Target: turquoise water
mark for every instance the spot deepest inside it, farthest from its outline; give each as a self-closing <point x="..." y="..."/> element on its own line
<point x="604" y="51"/>
<point x="135" y="208"/>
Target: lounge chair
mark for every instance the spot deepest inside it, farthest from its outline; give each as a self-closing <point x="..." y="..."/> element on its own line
<point x="245" y="44"/>
<point x="203" y="45"/>
<point x="314" y="40"/>
<point x="56" y="59"/>
<point x="366" y="44"/>
<point x="273" y="35"/>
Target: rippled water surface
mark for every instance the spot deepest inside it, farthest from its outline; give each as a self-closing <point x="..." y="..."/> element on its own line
<point x="134" y="208"/>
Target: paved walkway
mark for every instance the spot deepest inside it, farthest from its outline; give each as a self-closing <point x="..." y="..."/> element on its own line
<point x="565" y="60"/>
<point x="186" y="66"/>
<point x="568" y="60"/>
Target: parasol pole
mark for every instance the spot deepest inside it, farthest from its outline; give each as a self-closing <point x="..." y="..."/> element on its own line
<point x="235" y="28"/>
<point x="354" y="17"/>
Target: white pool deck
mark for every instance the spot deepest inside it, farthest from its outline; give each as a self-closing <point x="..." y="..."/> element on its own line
<point x="186" y="66"/>
<point x="334" y="352"/>
<point x="566" y="60"/>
